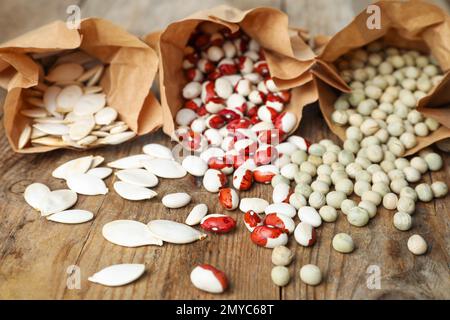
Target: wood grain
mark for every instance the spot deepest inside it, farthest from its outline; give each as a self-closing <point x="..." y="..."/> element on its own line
<point x="35" y="253"/>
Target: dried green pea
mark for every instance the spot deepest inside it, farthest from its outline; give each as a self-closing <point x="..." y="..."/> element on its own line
<point x="354" y="133"/>
<point x="346" y="205"/>
<point x="421" y="129"/>
<point x="277" y="179"/>
<point x="316" y="149"/>
<point x="374" y="168"/>
<point x="358" y="217"/>
<point x="406" y="204"/>
<point x="412" y="174"/>
<point x="396" y="174"/>
<point x="335" y="198"/>
<point x="345" y="186"/>
<point x="355" y="120"/>
<point x="352" y="169"/>
<point x="303" y="189"/>
<point x="402" y="221"/>
<point x="432" y="124"/>
<point x="302" y="177"/>
<point x="398" y="184"/>
<point x="361" y="187"/>
<point x="396" y="147"/>
<point x="408" y="139"/>
<point x="409" y="193"/>
<point x="375" y="153"/>
<point x="387" y="165"/>
<point x="439" y="188"/>
<point x="417" y="245"/>
<point x="372" y="196"/>
<point x="328" y="213"/>
<point x="381" y="188"/>
<point x="297" y="200"/>
<point x="369" y="206"/>
<point x="299" y="156"/>
<point x="351" y="145"/>
<point x="316" y="200"/>
<point x="363" y="162"/>
<point x="345" y="157"/>
<point x="424" y="192"/>
<point x="309" y="168"/>
<point x="324" y="169"/>
<point x="343" y="243"/>
<point x="320" y="186"/>
<point x="315" y="160"/>
<point x="338" y="175"/>
<point x="369" y="127"/>
<point x="434" y="161"/>
<point x="282" y="256"/>
<point x="337" y="166"/>
<point x="420" y="164"/>
<point x="280" y="276"/>
<point x="329" y="157"/>
<point x="339" y="117"/>
<point x="363" y="175"/>
<point x="390" y="201"/>
<point x="324" y="178"/>
<point x="380" y="177"/>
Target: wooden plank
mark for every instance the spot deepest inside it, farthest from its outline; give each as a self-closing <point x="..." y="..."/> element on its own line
<point x="145" y="16"/>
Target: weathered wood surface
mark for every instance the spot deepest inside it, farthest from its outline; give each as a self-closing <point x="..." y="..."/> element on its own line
<point x="35" y="253"/>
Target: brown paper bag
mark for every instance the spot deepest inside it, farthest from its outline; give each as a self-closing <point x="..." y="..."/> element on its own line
<point x="288" y="56"/>
<point x="412" y="25"/>
<point x="131" y="68"/>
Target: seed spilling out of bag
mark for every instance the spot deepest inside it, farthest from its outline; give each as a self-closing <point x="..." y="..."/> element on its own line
<point x="218" y="223"/>
<point x="174" y="232"/>
<point x="133" y="192"/>
<point x="118" y="275"/>
<point x="86" y="184"/>
<point x="196" y="215"/>
<point x="129" y="233"/>
<point x="71" y="106"/>
<point x="176" y="200"/>
<point x="207" y="278"/>
<point x="138" y="177"/>
<point x="72" y="216"/>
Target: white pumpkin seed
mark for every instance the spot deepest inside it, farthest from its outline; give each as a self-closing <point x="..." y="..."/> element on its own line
<point x="165" y="168"/>
<point x="86" y="184"/>
<point x="36" y="102"/>
<point x="101" y="172"/>
<point x="36" y="133"/>
<point x="57" y="201"/>
<point x="96" y="161"/>
<point x="50" y="141"/>
<point x="67" y="98"/>
<point x="88" y="74"/>
<point x="81" y="128"/>
<point x="35" y="193"/>
<point x="34" y="113"/>
<point x="49" y="99"/>
<point x="93" y="89"/>
<point x="118" y="274"/>
<point x="65" y="72"/>
<point x="118" y="138"/>
<point x="96" y="77"/>
<point x="176" y="200"/>
<point x="79" y="165"/>
<point x="72" y="216"/>
<point x="129" y="233"/>
<point x="197" y="214"/>
<point x="256" y="204"/>
<point x="174" y="232"/>
<point x="89" y="104"/>
<point x="138" y="177"/>
<point x="87" y="140"/>
<point x="55" y="129"/>
<point x="131" y="162"/>
<point x="158" y="151"/>
<point x="132" y="192"/>
<point x="119" y="129"/>
<point x="106" y="116"/>
<point x="24" y="137"/>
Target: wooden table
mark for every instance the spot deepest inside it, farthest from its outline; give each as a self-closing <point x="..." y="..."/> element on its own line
<point x="36" y="255"/>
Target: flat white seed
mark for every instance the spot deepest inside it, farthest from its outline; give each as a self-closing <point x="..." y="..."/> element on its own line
<point x="81" y="128"/>
<point x="36" y="133"/>
<point x="79" y="165"/>
<point x="195" y="166"/>
<point x="197" y="214"/>
<point x="34" y="113"/>
<point x="89" y="104"/>
<point x="118" y="274"/>
<point x="49" y="99"/>
<point x="57" y="201"/>
<point x="101" y="172"/>
<point x="71" y="216"/>
<point x="96" y="161"/>
<point x="86" y="184"/>
<point x="65" y="72"/>
<point x="118" y="138"/>
<point x="256" y="204"/>
<point x="92" y="89"/>
<point x="88" y="140"/>
<point x="165" y="168"/>
<point x="24" y="137"/>
<point x="50" y="141"/>
<point x="55" y="129"/>
<point x="105" y="116"/>
<point x="88" y="74"/>
<point x="174" y="232"/>
<point x="158" y="151"/>
<point x="133" y="192"/>
<point x="96" y="77"/>
<point x="129" y="233"/>
<point x="35" y="193"/>
<point x="138" y="177"/>
<point x="67" y="98"/>
<point x="131" y="162"/>
<point x="176" y="200"/>
<point x="118" y="129"/>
